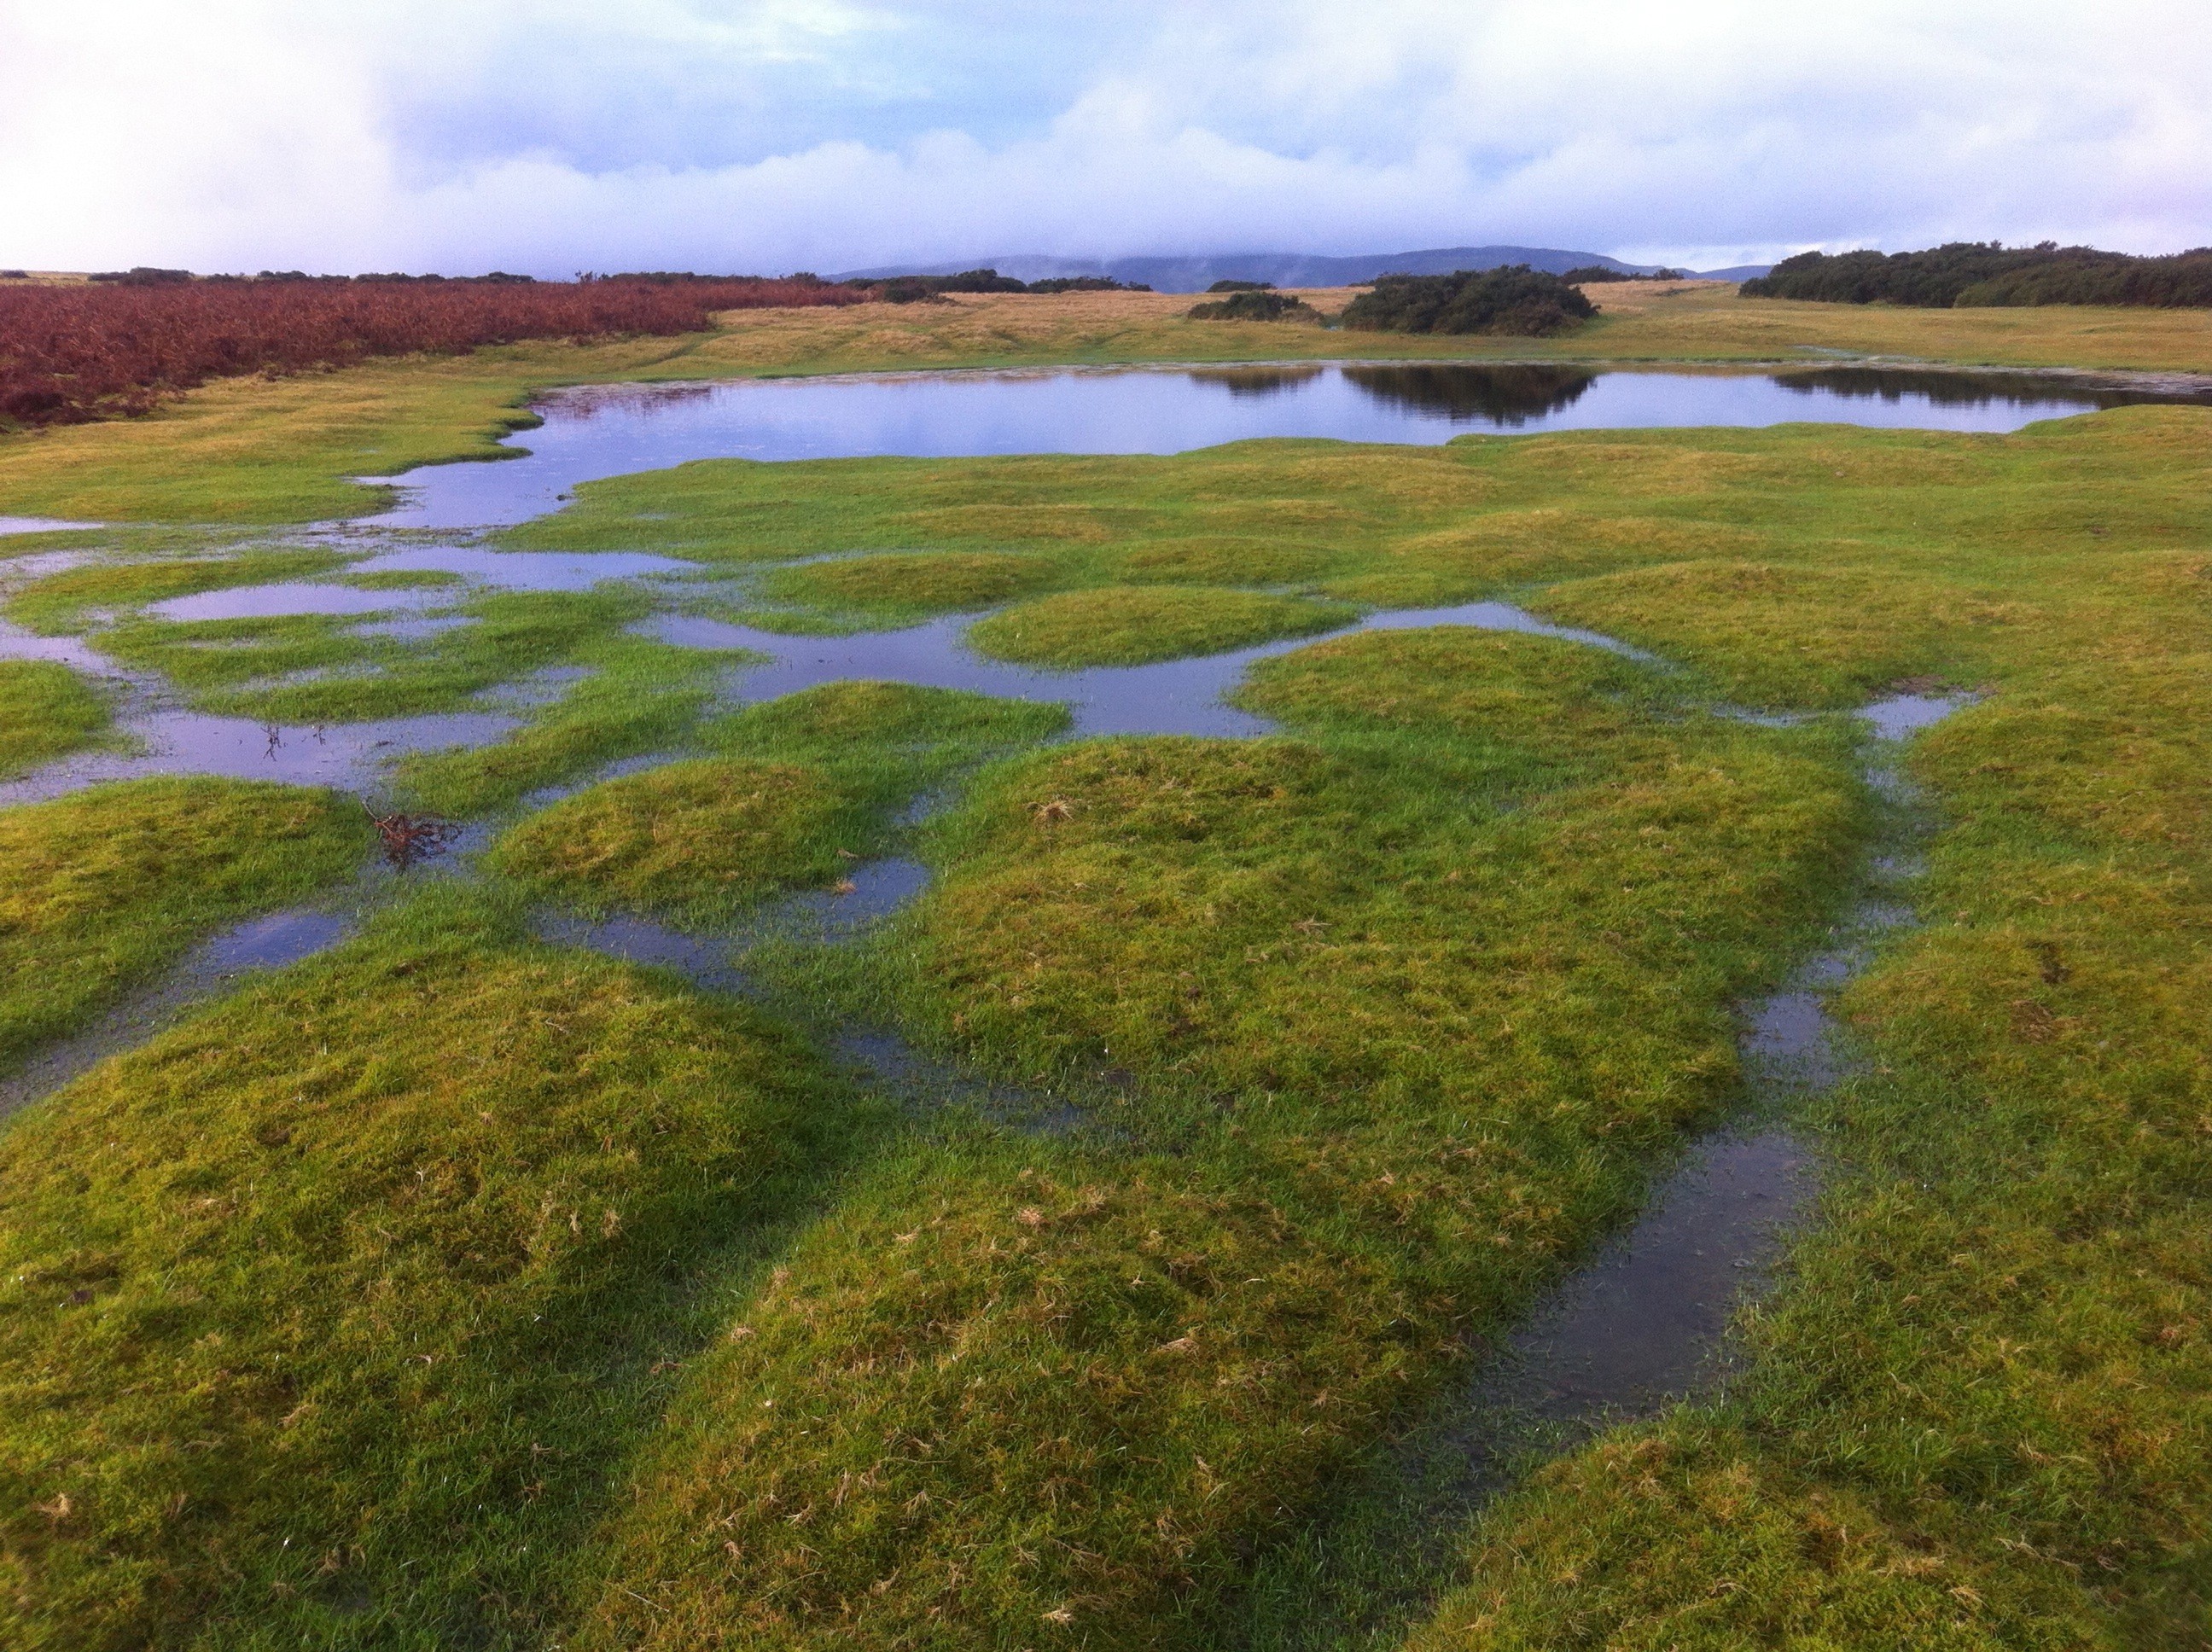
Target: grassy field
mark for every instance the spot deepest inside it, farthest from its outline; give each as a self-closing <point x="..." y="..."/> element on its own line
<point x="461" y="1288"/>
<point x="47" y="710"/>
<point x="256" y="451"/>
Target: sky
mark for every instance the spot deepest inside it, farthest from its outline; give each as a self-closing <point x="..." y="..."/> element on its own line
<point x="767" y="136"/>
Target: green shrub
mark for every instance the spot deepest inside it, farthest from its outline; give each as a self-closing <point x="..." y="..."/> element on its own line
<point x="1515" y="299"/>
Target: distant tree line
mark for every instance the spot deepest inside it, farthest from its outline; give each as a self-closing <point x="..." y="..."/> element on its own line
<point x="1974" y="273"/>
<point x="917" y="290"/>
<point x="1590" y="272"/>
<point x="1514" y="300"/>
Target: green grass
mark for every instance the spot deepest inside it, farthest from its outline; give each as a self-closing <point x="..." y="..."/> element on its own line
<point x="810" y="784"/>
<point x="1350" y="976"/>
<point x="106" y="886"/>
<point x="46" y="711"/>
<point x="1384" y="1021"/>
<point x="704" y="837"/>
<point x="912" y="584"/>
<point x="1136" y="625"/>
<point x="327" y="1315"/>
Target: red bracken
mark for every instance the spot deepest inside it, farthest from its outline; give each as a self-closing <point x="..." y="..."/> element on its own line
<point x="73" y="353"/>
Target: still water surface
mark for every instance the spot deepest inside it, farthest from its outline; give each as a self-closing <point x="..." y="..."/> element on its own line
<point x="616" y="430"/>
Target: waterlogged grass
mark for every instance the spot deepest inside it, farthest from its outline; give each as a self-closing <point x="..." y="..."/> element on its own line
<point x="1388" y="1016"/>
<point x="639" y="696"/>
<point x="1135" y="625"/>
<point x="1401" y="1007"/>
<point x="322" y="668"/>
<point x="1979" y="1417"/>
<point x="64" y="602"/>
<point x="105" y="887"/>
<point x="811" y="784"/>
<point x="324" y="1316"/>
<point x="251" y="451"/>
<point x="46" y="711"/>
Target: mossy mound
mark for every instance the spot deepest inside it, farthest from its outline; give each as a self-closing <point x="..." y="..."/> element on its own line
<point x="106" y="886"/>
<point x="324" y="1313"/>
<point x="1223" y="560"/>
<point x="46" y="711"/>
<point x="694" y="838"/>
<point x="1135" y="625"/>
<point x="921" y="582"/>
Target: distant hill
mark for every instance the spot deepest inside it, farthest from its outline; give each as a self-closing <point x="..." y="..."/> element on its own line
<point x="1195" y="274"/>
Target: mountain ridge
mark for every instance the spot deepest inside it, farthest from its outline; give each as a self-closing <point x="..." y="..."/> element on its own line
<point x="1193" y="274"/>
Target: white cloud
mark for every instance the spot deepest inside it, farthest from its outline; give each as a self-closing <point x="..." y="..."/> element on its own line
<point x="715" y="134"/>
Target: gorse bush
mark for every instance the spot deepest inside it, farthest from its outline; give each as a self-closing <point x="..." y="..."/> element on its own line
<point x="1966" y="274"/>
<point x="69" y="354"/>
<point x="1515" y="299"/>
<point x="1255" y="304"/>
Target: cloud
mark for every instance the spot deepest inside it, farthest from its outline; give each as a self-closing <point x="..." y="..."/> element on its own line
<point x="710" y="134"/>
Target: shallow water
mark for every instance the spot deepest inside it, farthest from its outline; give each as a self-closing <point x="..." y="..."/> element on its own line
<point x="41" y="525"/>
<point x="1642" y="1325"/>
<point x="1174" y="696"/>
<point x="602" y="431"/>
<point x="270" y="942"/>
<point x="349" y="756"/>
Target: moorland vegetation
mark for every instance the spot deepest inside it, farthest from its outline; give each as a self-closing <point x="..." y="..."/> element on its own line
<point x="71" y="353"/>
<point x="1987" y="273"/>
<point x="461" y="1287"/>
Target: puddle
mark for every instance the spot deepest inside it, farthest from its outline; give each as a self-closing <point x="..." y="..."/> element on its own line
<point x="348" y="755"/>
<point x="1641" y="1324"/>
<point x="594" y="432"/>
<point x="282" y="601"/>
<point x="43" y="524"/>
<point x="520" y="570"/>
<point x="1174" y="696"/>
<point x="260" y="943"/>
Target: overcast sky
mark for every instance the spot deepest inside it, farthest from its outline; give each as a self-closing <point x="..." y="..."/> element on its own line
<point x="550" y="136"/>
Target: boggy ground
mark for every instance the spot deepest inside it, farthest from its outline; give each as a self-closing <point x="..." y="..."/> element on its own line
<point x="256" y="451"/>
<point x="1384" y="1019"/>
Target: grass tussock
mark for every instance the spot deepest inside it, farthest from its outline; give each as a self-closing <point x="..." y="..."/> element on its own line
<point x="808" y="785"/>
<point x="912" y="584"/>
<point x="708" y="835"/>
<point x="1135" y="625"/>
<point x="106" y="886"/>
<point x="326" y="1314"/>
<point x="46" y="711"/>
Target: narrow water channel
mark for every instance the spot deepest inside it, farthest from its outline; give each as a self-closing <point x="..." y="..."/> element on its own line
<point x="1643" y="1325"/>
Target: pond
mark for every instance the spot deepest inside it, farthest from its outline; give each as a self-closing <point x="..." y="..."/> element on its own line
<point x="615" y="430"/>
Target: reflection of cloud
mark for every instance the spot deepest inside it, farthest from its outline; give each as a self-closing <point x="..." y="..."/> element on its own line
<point x="740" y="135"/>
<point x="1255" y="383"/>
<point x="1508" y="397"/>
